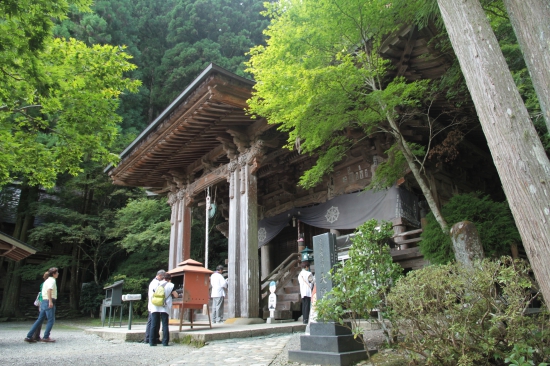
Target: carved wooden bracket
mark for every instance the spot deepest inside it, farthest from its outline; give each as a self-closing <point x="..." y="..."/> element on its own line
<point x="224" y="228"/>
<point x="229" y="147"/>
<point x="240" y="139"/>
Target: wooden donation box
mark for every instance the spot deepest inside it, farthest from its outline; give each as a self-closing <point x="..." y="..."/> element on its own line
<point x="113" y="298"/>
<point x="194" y="281"/>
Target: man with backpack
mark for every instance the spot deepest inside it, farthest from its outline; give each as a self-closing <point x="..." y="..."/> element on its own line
<point x="151" y="333"/>
<point x="161" y="303"/>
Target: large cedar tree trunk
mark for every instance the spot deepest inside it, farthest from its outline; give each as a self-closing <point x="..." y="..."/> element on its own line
<point x="517" y="152"/>
<point x="74" y="290"/>
<point x="531" y="22"/>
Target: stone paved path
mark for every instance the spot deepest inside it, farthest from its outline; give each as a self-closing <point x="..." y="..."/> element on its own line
<point x="257" y="351"/>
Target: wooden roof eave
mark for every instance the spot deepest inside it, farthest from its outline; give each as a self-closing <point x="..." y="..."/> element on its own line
<point x="187" y="128"/>
<point x="14" y="249"/>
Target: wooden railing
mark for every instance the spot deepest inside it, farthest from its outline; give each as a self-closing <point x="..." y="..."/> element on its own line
<point x="406" y="251"/>
<point x="402" y="240"/>
<point x="280" y="275"/>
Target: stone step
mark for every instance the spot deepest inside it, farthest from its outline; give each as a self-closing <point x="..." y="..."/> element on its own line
<point x="292" y="289"/>
<point x="279" y="314"/>
<point x="289" y="297"/>
<point x="284" y="305"/>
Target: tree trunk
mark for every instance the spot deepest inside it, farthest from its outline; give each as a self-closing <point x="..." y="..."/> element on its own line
<point x="10" y="298"/>
<point x="531" y="22"/>
<point x="408" y="154"/>
<point x="73" y="285"/>
<point x="517" y="152"/>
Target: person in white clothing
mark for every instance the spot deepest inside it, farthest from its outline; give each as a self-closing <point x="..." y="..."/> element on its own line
<point x="159" y="314"/>
<point x="148" y="330"/>
<point x="219" y="284"/>
<point x="305" y="278"/>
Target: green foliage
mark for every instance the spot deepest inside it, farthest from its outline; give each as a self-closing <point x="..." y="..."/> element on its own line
<point x="30" y="272"/>
<point x="321" y="74"/>
<point x="360" y="285"/>
<point x="143" y="224"/>
<point x="91" y="297"/>
<point x="217" y="243"/>
<point x="81" y="212"/>
<point x="453" y="315"/>
<point x="58" y="98"/>
<point x="389" y="171"/>
<point x="521" y="356"/>
<point x="493" y="221"/>
<point x="188" y="340"/>
<point x="172" y="41"/>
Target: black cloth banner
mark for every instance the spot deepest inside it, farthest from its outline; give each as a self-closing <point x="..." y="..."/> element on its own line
<point x="346" y="212"/>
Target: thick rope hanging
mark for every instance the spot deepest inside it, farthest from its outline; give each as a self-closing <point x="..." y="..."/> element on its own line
<point x="207" y="227"/>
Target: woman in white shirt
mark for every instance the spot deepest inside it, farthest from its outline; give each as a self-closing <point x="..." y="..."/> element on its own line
<point x="47" y="308"/>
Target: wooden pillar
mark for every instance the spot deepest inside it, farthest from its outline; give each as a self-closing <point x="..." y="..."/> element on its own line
<point x="248" y="261"/>
<point x="399" y="228"/>
<point x="266" y="260"/>
<point x="184" y="227"/>
<point x="180" y="232"/>
<point x="172" y="254"/>
<point x="243" y="267"/>
<point x="233" y="290"/>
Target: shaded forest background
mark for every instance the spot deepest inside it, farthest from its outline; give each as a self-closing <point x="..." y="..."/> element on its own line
<point x="96" y="232"/>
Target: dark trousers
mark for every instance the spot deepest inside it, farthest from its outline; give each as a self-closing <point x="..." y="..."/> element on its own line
<point x="36" y="335"/>
<point x="156" y="319"/>
<point x="155" y="331"/>
<point x="306" y="305"/>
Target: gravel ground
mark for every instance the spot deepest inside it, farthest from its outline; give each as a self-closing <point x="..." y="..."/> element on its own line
<point x="73" y="347"/>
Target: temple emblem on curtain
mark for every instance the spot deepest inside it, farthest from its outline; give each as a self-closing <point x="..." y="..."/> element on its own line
<point x="332" y="214"/>
<point x="262" y="234"/>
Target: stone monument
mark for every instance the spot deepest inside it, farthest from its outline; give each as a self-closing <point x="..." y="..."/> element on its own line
<point x="328" y="343"/>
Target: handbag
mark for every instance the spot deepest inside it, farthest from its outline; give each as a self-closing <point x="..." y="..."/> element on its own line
<point x="37" y="301"/>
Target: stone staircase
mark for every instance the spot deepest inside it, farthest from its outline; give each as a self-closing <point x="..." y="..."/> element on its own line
<point x="287" y="290"/>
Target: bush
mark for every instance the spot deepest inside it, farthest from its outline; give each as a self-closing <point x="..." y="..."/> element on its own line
<point x="453" y="315"/>
<point x="493" y="220"/>
<point x="91" y="298"/>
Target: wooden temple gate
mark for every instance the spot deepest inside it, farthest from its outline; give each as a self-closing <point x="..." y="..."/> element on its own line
<point x="205" y="139"/>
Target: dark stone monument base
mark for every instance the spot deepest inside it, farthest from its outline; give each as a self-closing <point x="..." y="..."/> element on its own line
<point x="335" y="344"/>
<point x="329" y="344"/>
<point x="327" y="358"/>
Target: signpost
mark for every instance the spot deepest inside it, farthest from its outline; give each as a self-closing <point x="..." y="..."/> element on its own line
<point x="130" y="298"/>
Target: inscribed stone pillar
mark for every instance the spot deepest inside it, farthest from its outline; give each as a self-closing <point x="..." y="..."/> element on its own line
<point x="180" y="231"/>
<point x="466" y="243"/>
<point x="324" y="247"/>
